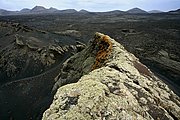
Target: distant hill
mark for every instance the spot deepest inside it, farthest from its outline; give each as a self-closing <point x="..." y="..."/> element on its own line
<point x="3" y="12"/>
<point x="6" y="12"/>
<point x="25" y="10"/>
<point x="38" y="8"/>
<point x="41" y="10"/>
<point x="116" y="12"/>
<point x="83" y="11"/>
<point x="51" y="10"/>
<point x="175" y="11"/>
<point x="68" y="11"/>
<point x="155" y="11"/>
<point x="136" y="11"/>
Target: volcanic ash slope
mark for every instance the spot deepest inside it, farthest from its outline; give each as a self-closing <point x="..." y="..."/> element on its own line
<point x="111" y="84"/>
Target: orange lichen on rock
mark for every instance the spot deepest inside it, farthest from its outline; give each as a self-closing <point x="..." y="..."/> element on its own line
<point x="104" y="49"/>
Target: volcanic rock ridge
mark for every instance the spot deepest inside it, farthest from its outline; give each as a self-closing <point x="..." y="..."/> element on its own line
<point x="104" y="81"/>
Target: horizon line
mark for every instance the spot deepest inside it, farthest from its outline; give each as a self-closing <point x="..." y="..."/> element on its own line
<point x="87" y="9"/>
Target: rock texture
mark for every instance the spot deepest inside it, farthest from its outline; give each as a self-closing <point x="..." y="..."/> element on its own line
<point x="111" y="84"/>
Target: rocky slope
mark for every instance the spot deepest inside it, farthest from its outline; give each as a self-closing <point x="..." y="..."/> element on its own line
<point x="111" y="83"/>
<point x="30" y="59"/>
<point x="26" y="52"/>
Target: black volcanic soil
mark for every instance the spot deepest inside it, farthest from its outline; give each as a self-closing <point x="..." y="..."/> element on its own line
<point x="153" y="38"/>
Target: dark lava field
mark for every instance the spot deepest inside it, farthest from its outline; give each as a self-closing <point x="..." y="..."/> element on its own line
<point x="33" y="47"/>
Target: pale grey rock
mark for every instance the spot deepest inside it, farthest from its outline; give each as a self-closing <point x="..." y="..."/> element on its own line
<point x="73" y="33"/>
<point x="119" y="88"/>
<point x="19" y="41"/>
<point x="163" y="53"/>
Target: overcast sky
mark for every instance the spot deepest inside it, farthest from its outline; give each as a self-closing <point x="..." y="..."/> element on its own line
<point x="93" y="5"/>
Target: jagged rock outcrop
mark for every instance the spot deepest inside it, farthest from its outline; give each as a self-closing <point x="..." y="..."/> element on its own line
<point x="111" y="83"/>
